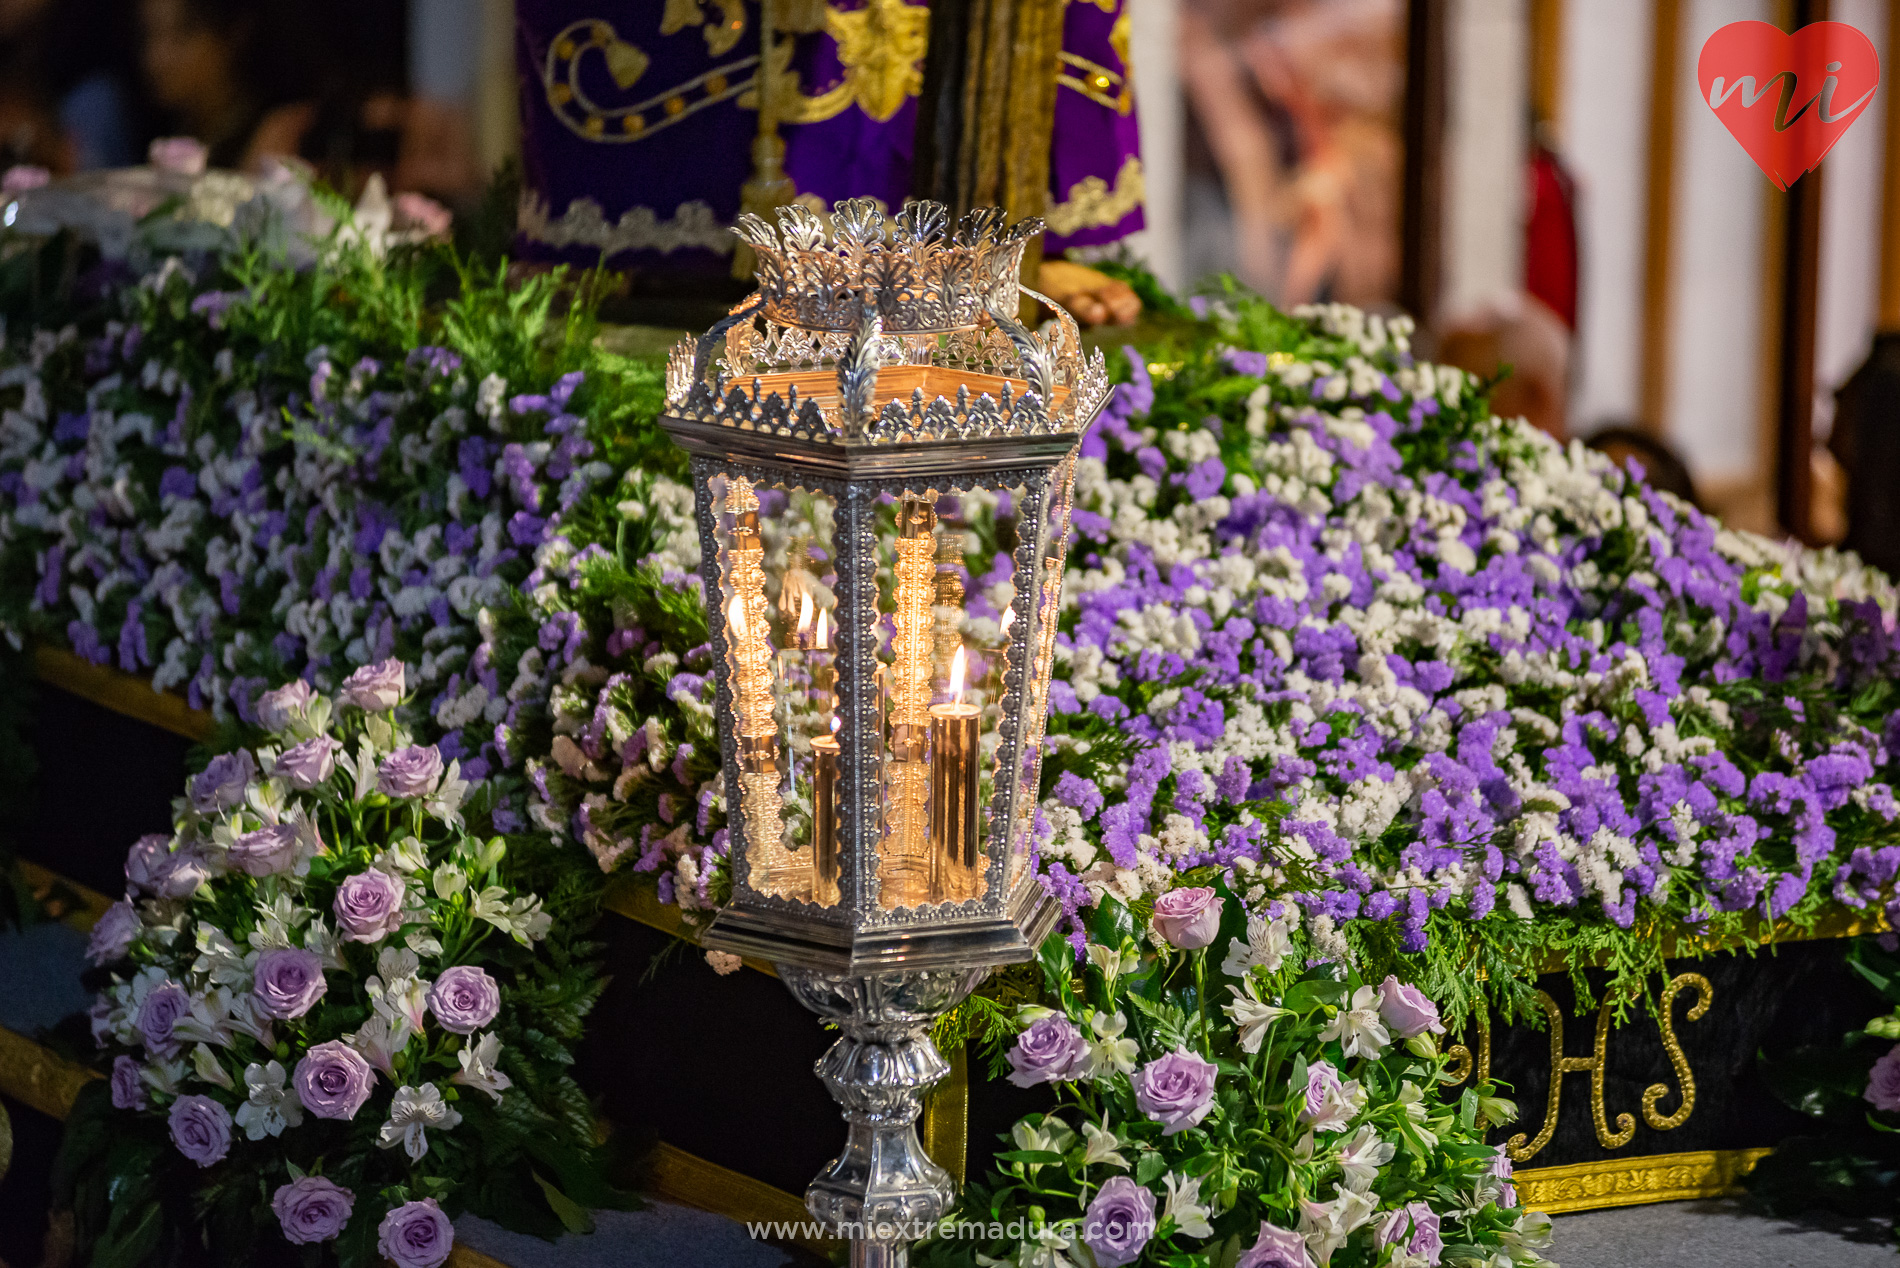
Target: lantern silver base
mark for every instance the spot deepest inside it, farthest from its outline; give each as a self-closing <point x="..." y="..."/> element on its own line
<point x="883" y="1191"/>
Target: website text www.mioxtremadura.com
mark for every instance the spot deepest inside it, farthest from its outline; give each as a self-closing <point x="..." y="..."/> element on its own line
<point x="1016" y="1230"/>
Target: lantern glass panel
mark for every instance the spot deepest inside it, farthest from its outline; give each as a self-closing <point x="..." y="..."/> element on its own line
<point x="777" y="578"/>
<point x="942" y="640"/>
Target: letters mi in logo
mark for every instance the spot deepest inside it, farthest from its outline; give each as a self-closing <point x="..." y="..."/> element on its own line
<point x="1788" y="98"/>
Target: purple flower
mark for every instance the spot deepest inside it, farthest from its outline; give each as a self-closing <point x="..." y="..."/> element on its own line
<point x="1501" y="1168"/>
<point x="153" y="867"/>
<point x="333" y="1080"/>
<point x="368" y="906"/>
<point x="1406" y="1011"/>
<point x="1422" y="1221"/>
<point x="1321" y="1081"/>
<point x="1276" y="1248"/>
<point x="288" y="982"/>
<point x="276" y="710"/>
<point x="416" y="1235"/>
<point x="1188" y="918"/>
<point x="1176" y="1090"/>
<point x="267" y="851"/>
<point x="311" y="1209"/>
<point x="464" y="999"/>
<point x="374" y="688"/>
<point x="1119" y="1222"/>
<point x="201" y="1128"/>
<point x="410" y="772"/>
<point x="1049" y="1051"/>
<point x="128" y="1089"/>
<point x="309" y="764"/>
<point x="164" y="1004"/>
<point x="1883" y="1082"/>
<point x="222" y="783"/>
<point x="113" y="936"/>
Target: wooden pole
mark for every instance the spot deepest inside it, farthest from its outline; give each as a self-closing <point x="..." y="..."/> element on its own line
<point x="1421" y="249"/>
<point x="1800" y="298"/>
<point x="1547" y="66"/>
<point x="1666" y="50"/>
<point x="1889" y="313"/>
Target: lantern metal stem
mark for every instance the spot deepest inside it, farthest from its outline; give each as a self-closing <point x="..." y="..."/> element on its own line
<point x="883" y="1190"/>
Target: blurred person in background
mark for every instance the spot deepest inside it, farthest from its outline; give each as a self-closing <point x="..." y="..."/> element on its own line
<point x="1519" y="333"/>
<point x="1662" y="469"/>
<point x="70" y="96"/>
<point x="202" y="61"/>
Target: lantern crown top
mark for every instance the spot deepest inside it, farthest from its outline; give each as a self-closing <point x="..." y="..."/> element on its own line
<point x="823" y="272"/>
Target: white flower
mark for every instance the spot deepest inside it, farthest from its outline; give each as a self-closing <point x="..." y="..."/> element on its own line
<point x="1339" y="1107"/>
<point x="523" y="920"/>
<point x="1357" y="1026"/>
<point x="276" y="919"/>
<point x="1112" y="963"/>
<point x="1184" y="1205"/>
<point x="1102" y="1147"/>
<point x="220" y="961"/>
<point x="1111" y="1051"/>
<point x="205" y="1064"/>
<point x="1327" y="1225"/>
<point x="411" y="1112"/>
<point x="270" y="1108"/>
<point x="380" y="1039"/>
<point x="1052" y="1135"/>
<point x="1267" y="945"/>
<point x="1361" y="1156"/>
<point x="478" y="1067"/>
<point x="1252" y="1014"/>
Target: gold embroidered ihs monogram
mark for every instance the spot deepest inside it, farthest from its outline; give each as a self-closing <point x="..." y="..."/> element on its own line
<point x="881" y="46"/>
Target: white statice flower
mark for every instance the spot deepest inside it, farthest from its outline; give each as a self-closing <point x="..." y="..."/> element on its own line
<point x="1357" y="1026"/>
<point x="1361" y="1155"/>
<point x="478" y="1070"/>
<point x="1102" y="1146"/>
<point x="1184" y="1206"/>
<point x="1252" y="1015"/>
<point x="1327" y="1225"/>
<point x="411" y="1113"/>
<point x="269" y="1107"/>
<point x="1266" y="947"/>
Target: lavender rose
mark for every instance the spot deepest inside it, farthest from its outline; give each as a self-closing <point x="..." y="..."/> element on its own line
<point x="410" y="772"/>
<point x="464" y="999"/>
<point x="1277" y="1248"/>
<point x="368" y="906"/>
<point x="115" y="933"/>
<point x="311" y="1209"/>
<point x="181" y="155"/>
<point x="269" y="851"/>
<point x="1883" y="1082"/>
<point x="416" y="1235"/>
<point x="1119" y="1222"/>
<point x="1321" y="1081"/>
<point x="288" y="982"/>
<point x="1188" y="918"/>
<point x="374" y="688"/>
<point x="333" y="1080"/>
<point x="1423" y="1223"/>
<point x="1176" y="1090"/>
<point x="1501" y="1168"/>
<point x="276" y="710"/>
<point x="153" y="867"/>
<point x="1406" y="1011"/>
<point x="163" y="1006"/>
<point x="222" y="783"/>
<point x="1050" y="1051"/>
<point x="309" y="764"/>
<point x="128" y="1089"/>
<point x="201" y="1128"/>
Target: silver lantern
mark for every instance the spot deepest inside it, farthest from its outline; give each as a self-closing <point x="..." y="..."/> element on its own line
<point x="871" y="415"/>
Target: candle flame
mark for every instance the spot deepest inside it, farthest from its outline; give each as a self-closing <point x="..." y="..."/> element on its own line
<point x="834" y="724"/>
<point x="735" y="616"/>
<point x="1009" y="616"/>
<point x="823" y="629"/>
<point x="804" y="611"/>
<point x="956" y="676"/>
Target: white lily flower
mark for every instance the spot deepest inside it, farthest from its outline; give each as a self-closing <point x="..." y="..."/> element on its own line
<point x="1362" y="1155"/>
<point x="478" y="1067"/>
<point x="1103" y="1147"/>
<point x="411" y="1113"/>
<point x="1252" y="1014"/>
<point x="1111" y="1051"/>
<point x="205" y="1064"/>
<point x="270" y="1107"/>
<point x="1184" y="1205"/>
<point x="1267" y="946"/>
<point x="1327" y="1225"/>
<point x="1358" y="1026"/>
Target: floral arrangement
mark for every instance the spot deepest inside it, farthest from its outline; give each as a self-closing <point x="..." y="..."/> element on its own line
<point x="1216" y="1105"/>
<point x="338" y="1015"/>
<point x="1464" y="695"/>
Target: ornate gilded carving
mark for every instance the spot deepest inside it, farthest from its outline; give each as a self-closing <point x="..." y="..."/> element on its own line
<point x="1521" y="1147"/>
<point x="1091" y="202"/>
<point x="881" y="47"/>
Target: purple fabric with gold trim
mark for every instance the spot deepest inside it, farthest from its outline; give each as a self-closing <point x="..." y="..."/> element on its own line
<point x="849" y="130"/>
<point x="633" y="141"/>
<point x="1095" y="181"/>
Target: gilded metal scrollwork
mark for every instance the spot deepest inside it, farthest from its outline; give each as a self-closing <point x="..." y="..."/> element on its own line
<point x="1671" y="1045"/>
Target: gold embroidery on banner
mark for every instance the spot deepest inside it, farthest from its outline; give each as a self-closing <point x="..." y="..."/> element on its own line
<point x="881" y="47"/>
<point x="1092" y="203"/>
<point x="721" y="34"/>
<point x="1592" y="1186"/>
<point x="560" y="77"/>
<point x="1677" y="1059"/>
<point x="1112" y="90"/>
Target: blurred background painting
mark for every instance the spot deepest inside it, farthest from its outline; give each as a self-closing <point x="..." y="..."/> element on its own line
<point x="1537" y="181"/>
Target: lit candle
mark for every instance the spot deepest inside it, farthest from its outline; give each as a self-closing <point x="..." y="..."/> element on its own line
<point x="821" y="661"/>
<point x="824" y="818"/>
<point x="953" y="793"/>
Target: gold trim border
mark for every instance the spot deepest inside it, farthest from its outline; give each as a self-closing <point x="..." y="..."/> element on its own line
<point x="1611" y="1182"/>
<point x="123" y="693"/>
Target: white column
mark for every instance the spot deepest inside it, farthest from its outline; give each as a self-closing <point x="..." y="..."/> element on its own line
<point x="1850" y="229"/>
<point x="1154" y="47"/>
<point x="1487" y="45"/>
